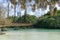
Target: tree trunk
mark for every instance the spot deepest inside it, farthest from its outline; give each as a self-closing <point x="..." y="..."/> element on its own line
<point x="14" y="13"/>
<point x="51" y="9"/>
<point x="8" y="10"/>
<point x="25" y="21"/>
<point x="55" y="11"/>
<point x="51" y="13"/>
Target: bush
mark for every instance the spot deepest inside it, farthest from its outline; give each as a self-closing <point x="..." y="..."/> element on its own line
<point x="52" y="22"/>
<point x="29" y="19"/>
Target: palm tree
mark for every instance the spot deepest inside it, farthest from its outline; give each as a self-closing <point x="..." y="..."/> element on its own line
<point x="14" y="3"/>
<point x="43" y="4"/>
<point x="52" y="6"/>
<point x="23" y="6"/>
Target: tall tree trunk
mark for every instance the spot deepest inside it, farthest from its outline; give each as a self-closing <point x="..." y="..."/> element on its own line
<point x="51" y="13"/>
<point x="20" y="17"/>
<point x="55" y="11"/>
<point x="8" y="10"/>
<point x="25" y="14"/>
<point x="14" y="13"/>
<point x="51" y="9"/>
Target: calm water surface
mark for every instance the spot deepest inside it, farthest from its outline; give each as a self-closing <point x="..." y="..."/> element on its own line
<point x="31" y="34"/>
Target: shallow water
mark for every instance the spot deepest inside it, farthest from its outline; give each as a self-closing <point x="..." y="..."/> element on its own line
<point x="31" y="34"/>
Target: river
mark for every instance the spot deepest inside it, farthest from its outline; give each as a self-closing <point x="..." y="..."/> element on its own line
<point x="31" y="34"/>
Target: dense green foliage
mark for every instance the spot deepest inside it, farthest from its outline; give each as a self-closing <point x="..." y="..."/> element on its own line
<point x="45" y="21"/>
<point x="49" y="21"/>
<point x="29" y="19"/>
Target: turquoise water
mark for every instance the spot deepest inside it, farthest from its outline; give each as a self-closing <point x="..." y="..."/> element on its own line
<point x="35" y="30"/>
<point x="31" y="34"/>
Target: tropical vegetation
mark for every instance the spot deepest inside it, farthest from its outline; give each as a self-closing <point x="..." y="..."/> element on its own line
<point x="48" y="20"/>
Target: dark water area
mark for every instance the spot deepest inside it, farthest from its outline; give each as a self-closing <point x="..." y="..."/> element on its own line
<point x="33" y="29"/>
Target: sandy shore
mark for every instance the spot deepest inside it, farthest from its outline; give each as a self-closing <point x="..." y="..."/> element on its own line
<point x="30" y="36"/>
